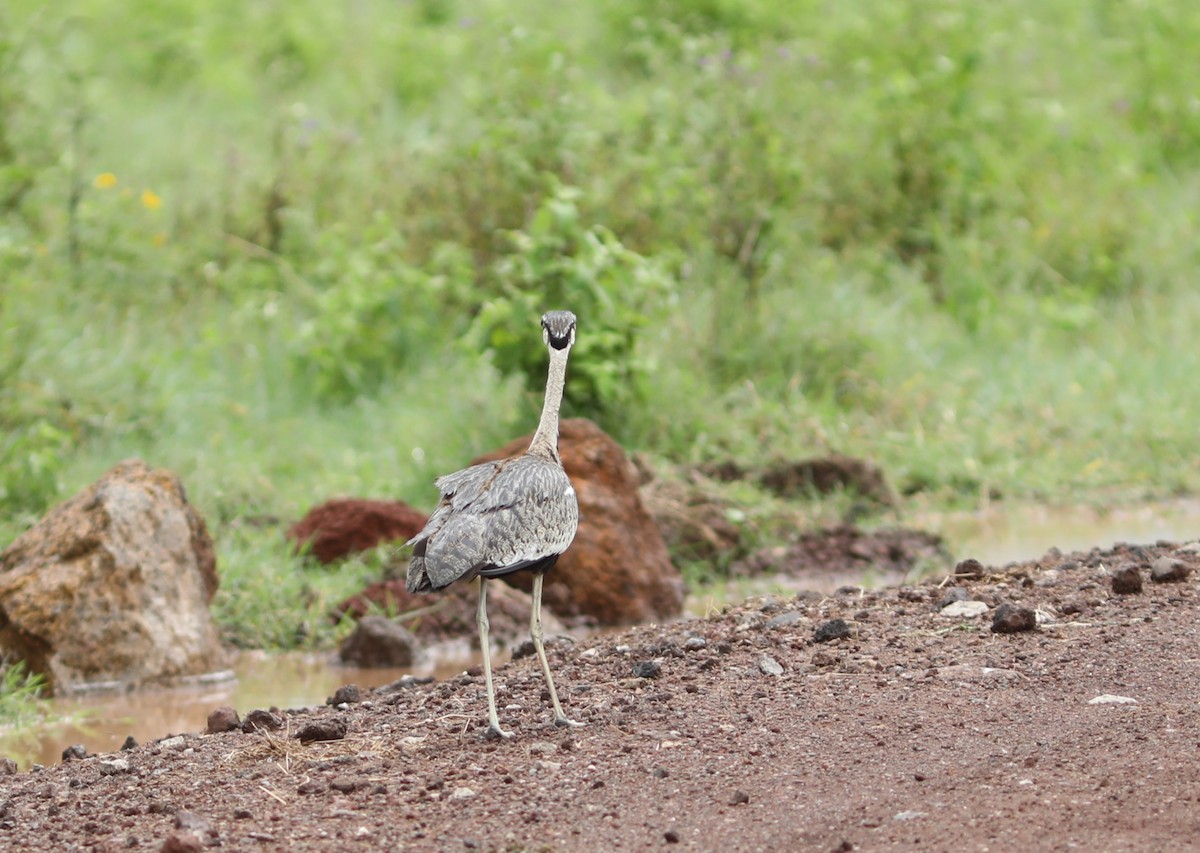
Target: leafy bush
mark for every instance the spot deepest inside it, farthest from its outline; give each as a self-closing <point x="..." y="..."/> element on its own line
<point x="560" y="263"/>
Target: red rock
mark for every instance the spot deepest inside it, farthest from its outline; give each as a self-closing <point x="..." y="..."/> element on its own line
<point x="344" y="526"/>
<point x="617" y="571"/>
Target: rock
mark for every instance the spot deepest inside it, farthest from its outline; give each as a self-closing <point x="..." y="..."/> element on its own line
<point x="312" y="786"/>
<point x="378" y="642"/>
<point x="182" y="842"/>
<point x="1010" y="619"/>
<point x="834" y="629"/>
<point x="345" y="784"/>
<point x="767" y="665"/>
<point x="694" y="643"/>
<point x="617" y="571"/>
<point x="964" y="610"/>
<point x="345" y="526"/>
<point x="739" y="798"/>
<point x="75" y="752"/>
<point x="172" y="742"/>
<point x="1127" y="579"/>
<point x="8" y="767"/>
<point x="783" y="620"/>
<point x="845" y="549"/>
<point x="969" y="569"/>
<point x="461" y="794"/>
<point x="350" y="694"/>
<point x="113" y="585"/>
<point x="223" y="719"/>
<point x="955" y="593"/>
<point x="259" y="720"/>
<point x="129" y="744"/>
<point x="696" y="523"/>
<point x="328" y="728"/>
<point x="114" y="766"/>
<point x="828" y="474"/>
<point x="1111" y="699"/>
<point x="647" y="669"/>
<point x="450" y="614"/>
<point x="1169" y="570"/>
<point x="671" y="836"/>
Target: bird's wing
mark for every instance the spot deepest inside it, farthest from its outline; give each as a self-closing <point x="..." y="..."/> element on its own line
<point x="495" y="515"/>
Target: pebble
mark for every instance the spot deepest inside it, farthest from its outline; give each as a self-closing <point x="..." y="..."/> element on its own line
<point x="462" y="794"/>
<point x="834" y="629"/>
<point x="311" y="786"/>
<point x="331" y="728"/>
<point x="113" y="767"/>
<point x="647" y="669"/>
<point x="1111" y="699"/>
<point x="739" y="797"/>
<point x="767" y="665"/>
<point x="130" y="744"/>
<point x="347" y="694"/>
<point x="223" y="719"/>
<point x="1126" y="579"/>
<point x="969" y="568"/>
<point x="1169" y="570"/>
<point x="1010" y="619"/>
<point x="74" y="752"/>
<point x="8" y="767"/>
<point x="955" y="593"/>
<point x="171" y="742"/>
<point x="260" y="720"/>
<point x="694" y="643"/>
<point x="671" y="836"/>
<point x="964" y="610"/>
<point x="783" y="620"/>
<point x="182" y="842"/>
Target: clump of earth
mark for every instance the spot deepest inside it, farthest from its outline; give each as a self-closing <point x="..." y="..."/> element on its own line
<point x="1033" y="706"/>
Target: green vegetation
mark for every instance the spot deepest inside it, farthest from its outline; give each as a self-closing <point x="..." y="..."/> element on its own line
<point x="297" y="250"/>
<point x="20" y="691"/>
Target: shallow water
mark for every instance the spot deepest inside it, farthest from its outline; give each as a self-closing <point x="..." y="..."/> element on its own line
<point x="102" y="721"/>
<point x="1000" y="535"/>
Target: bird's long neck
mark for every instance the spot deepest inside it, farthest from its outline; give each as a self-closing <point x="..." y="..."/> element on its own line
<point x="545" y="440"/>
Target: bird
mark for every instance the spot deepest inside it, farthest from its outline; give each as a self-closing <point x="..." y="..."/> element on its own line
<point x="511" y="515"/>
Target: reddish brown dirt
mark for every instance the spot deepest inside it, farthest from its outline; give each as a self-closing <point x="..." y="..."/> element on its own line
<point x="913" y="731"/>
<point x="345" y="526"/>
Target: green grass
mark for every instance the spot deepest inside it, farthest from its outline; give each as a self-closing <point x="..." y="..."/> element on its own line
<point x="955" y="239"/>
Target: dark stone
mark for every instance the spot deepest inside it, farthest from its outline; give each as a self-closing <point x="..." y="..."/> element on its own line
<point x="671" y="836"/>
<point x="1072" y="606"/>
<point x="312" y="786"/>
<point x="1127" y="579"/>
<point x="349" y="694"/>
<point x="784" y="619"/>
<point x="739" y="797"/>
<point x="182" y="842"/>
<point x="694" y="643"/>
<point x="8" y="767"/>
<point x="130" y="744"/>
<point x="345" y="784"/>
<point x="969" y="569"/>
<point x="1169" y="570"/>
<point x="242" y="814"/>
<point x="647" y="669"/>
<point x="259" y="720"/>
<point x="74" y="752"/>
<point x="955" y="593"/>
<point x="1011" y="619"/>
<point x="834" y="629"/>
<point x="378" y="642"/>
<point x="223" y="719"/>
<point x="329" y="728"/>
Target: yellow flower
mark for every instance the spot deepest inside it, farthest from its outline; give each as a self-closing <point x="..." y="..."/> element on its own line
<point x="160" y="240"/>
<point x="150" y="200"/>
<point x="105" y="181"/>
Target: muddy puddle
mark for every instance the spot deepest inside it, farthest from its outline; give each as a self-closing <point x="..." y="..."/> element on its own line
<point x="997" y="536"/>
<point x="102" y="721"/>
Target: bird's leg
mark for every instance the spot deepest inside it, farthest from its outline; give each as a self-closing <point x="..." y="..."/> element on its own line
<point x="481" y="620"/>
<point x="535" y="630"/>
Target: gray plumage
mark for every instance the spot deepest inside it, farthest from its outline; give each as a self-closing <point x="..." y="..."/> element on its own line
<point x="510" y="515"/>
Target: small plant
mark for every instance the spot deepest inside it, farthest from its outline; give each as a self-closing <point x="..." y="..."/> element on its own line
<point x="20" y="693"/>
<point x="559" y="262"/>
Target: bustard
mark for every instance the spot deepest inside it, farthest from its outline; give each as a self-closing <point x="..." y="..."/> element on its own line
<point x="501" y="517"/>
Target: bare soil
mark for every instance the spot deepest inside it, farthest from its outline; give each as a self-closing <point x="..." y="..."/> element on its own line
<point x="768" y="726"/>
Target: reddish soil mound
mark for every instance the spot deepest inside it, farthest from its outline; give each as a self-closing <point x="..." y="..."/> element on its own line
<point x="344" y="526"/>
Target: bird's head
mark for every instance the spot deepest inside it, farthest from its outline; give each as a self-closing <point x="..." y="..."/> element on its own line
<point x="558" y="329"/>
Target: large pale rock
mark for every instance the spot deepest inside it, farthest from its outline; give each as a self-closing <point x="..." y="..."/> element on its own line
<point x="618" y="571"/>
<point x="113" y="585"/>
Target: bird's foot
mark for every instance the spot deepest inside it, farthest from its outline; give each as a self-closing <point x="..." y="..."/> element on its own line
<point x="494" y="732"/>
<point x="565" y="723"/>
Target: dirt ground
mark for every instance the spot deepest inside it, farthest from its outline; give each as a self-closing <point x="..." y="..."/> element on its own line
<point x="769" y="726"/>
